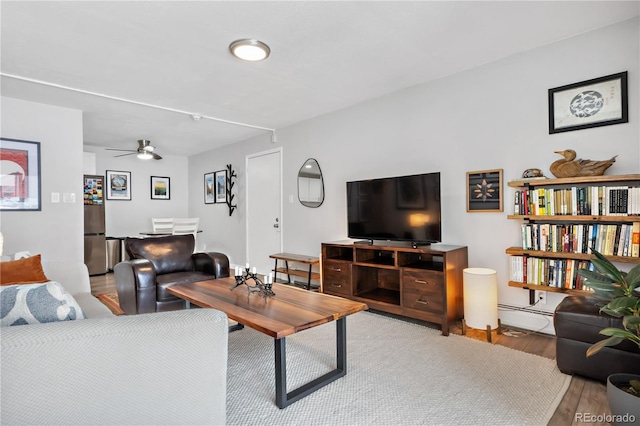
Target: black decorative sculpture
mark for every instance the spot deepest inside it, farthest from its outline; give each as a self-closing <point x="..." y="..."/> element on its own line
<point x="230" y="182"/>
<point x="243" y="276"/>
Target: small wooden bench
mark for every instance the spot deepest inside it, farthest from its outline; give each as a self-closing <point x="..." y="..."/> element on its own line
<point x="309" y="274"/>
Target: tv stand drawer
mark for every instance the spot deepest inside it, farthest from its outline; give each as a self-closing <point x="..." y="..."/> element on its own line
<point x="337" y="277"/>
<point x="423" y="291"/>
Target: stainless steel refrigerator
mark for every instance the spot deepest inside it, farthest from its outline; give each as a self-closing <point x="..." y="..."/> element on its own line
<point x="95" y="252"/>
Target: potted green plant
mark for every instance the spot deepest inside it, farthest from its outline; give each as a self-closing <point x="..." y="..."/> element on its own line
<point x="620" y="291"/>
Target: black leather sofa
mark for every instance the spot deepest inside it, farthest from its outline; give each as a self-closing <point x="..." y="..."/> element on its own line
<point x="578" y="321"/>
<point x="157" y="263"/>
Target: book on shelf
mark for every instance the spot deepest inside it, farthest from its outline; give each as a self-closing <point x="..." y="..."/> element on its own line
<point x="542" y="204"/>
<point x="569" y="274"/>
<point x="628" y="241"/>
<point x="624" y="231"/>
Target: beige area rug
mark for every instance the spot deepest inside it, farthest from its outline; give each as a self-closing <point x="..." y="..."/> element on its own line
<point x="398" y="373"/>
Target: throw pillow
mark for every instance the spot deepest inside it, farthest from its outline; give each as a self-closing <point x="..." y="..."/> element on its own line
<point x="23" y="271"/>
<point x="37" y="303"/>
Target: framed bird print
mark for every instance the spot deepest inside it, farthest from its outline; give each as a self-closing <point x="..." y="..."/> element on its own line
<point x="484" y="191"/>
<point x="592" y="103"/>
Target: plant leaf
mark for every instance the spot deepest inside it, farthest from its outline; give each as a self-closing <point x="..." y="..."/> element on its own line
<point x="603" y="286"/>
<point x="632" y="323"/>
<point x="617" y="333"/>
<point x="596" y="347"/>
<point x="623" y="304"/>
<point x="631" y="320"/>
<point x="611" y="312"/>
<point x="633" y="277"/>
<point x="593" y="275"/>
<point x="603" y="265"/>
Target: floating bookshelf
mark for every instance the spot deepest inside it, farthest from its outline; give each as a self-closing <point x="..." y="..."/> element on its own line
<point x="564" y="218"/>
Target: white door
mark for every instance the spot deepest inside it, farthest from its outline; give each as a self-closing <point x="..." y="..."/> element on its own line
<point x="264" y="208"/>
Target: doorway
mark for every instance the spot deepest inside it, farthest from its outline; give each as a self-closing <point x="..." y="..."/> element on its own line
<point x="264" y="208"/>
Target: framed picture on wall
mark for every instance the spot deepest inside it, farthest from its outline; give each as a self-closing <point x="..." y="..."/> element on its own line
<point x="118" y="185"/>
<point x="221" y="186"/>
<point x="484" y="191"/>
<point x="160" y="188"/>
<point x="209" y="188"/>
<point x="20" y="183"/>
<point x="592" y="103"/>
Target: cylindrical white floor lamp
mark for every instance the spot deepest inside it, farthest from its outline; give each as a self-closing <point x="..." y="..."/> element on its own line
<point x="480" y="300"/>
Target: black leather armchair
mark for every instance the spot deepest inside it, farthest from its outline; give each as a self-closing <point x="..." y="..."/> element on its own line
<point x="157" y="263"/>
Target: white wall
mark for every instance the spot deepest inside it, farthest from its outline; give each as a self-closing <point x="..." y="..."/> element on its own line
<point x="221" y="232"/>
<point x="129" y="218"/>
<point x="490" y="117"/>
<point x="56" y="230"/>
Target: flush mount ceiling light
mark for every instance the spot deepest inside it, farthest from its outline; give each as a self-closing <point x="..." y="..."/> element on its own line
<point x="249" y="50"/>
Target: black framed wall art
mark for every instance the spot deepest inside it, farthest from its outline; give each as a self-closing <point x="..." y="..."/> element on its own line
<point x="484" y="191"/>
<point x="160" y="188"/>
<point x="597" y="102"/>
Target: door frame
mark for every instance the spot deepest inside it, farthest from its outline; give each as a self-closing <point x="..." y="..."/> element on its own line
<point x="248" y="201"/>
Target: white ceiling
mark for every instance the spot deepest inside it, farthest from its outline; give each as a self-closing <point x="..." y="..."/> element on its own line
<point x="325" y="56"/>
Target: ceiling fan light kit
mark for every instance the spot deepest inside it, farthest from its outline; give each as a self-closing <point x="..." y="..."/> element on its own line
<point x="145" y="156"/>
<point x="250" y="50"/>
<point x="144" y="151"/>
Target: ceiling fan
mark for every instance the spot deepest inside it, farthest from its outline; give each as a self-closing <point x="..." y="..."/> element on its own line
<point x="144" y="151"/>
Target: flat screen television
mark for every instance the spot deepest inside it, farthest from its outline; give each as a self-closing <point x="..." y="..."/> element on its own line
<point x="402" y="208"/>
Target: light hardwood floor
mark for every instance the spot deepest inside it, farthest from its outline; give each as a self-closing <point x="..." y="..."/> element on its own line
<point x="583" y="396"/>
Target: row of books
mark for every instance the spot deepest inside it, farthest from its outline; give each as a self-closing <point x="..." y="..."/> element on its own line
<point x="558" y="273"/>
<point x="575" y="201"/>
<point x="609" y="239"/>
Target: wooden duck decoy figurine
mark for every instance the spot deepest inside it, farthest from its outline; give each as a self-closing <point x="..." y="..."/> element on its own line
<point x="570" y="167"/>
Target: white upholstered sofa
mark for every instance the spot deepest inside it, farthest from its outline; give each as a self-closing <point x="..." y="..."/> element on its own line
<point x="159" y="368"/>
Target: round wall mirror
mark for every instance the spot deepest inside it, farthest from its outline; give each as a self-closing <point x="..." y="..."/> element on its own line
<point x="310" y="184"/>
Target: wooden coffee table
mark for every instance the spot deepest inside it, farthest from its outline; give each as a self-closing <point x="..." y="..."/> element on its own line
<point x="291" y="310"/>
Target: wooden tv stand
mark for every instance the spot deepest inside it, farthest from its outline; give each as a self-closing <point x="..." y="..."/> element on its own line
<point x="423" y="283"/>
